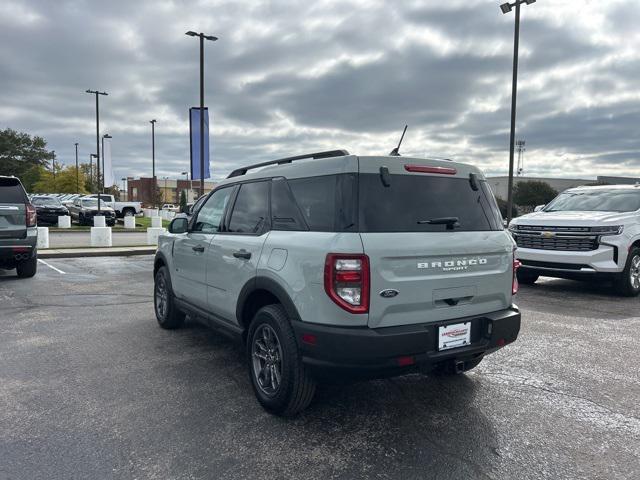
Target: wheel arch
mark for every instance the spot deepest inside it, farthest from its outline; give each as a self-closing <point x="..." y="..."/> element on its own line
<point x="158" y="262"/>
<point x="259" y="292"/>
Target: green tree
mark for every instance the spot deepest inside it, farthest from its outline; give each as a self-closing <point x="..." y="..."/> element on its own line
<point x="23" y="156"/>
<point x="532" y="193"/>
<point x="502" y="205"/>
<point x="183" y="201"/>
<point x="64" y="180"/>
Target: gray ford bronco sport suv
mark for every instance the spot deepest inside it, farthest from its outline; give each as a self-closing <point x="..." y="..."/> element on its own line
<point x="18" y="230"/>
<point x="331" y="264"/>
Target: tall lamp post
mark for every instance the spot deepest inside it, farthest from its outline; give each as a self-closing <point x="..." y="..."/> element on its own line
<point x="91" y="157"/>
<point x="106" y="135"/>
<point x="202" y="37"/>
<point x="190" y="184"/>
<point x="506" y="8"/>
<point x="97" y="94"/>
<point x="153" y="160"/>
<point x="77" y="172"/>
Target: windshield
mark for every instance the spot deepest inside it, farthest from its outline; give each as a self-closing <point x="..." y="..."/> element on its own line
<point x="613" y="200"/>
<point x="45" y="201"/>
<point x="92" y="202"/>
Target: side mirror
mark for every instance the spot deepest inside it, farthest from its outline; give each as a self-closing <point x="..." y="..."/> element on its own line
<point x="178" y="225"/>
<point x="538" y="208"/>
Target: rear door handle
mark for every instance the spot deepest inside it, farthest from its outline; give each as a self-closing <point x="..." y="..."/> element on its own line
<point x="198" y="248"/>
<point x="242" y="254"/>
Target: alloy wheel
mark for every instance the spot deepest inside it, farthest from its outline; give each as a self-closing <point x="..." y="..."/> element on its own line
<point x="266" y="356"/>
<point x="161" y="297"/>
<point x="634" y="272"/>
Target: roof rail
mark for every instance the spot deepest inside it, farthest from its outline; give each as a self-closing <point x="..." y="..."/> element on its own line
<point x="330" y="153"/>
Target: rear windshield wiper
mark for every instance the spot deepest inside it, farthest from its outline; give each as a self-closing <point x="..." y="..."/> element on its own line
<point x="450" y="222"/>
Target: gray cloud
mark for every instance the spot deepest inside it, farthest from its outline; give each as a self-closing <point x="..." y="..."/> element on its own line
<point x="290" y="76"/>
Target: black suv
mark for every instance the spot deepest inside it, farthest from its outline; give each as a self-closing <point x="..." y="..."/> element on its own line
<point x="18" y="231"/>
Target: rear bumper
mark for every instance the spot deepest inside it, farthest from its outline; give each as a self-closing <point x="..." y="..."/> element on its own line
<point x="367" y="352"/>
<point x="12" y="250"/>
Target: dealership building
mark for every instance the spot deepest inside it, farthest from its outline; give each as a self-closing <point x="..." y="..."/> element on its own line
<point x="141" y="189"/>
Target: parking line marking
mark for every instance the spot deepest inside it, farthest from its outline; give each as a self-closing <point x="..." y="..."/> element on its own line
<point x="52" y="267"/>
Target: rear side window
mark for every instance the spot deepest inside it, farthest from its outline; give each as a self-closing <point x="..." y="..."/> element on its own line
<point x="327" y="203"/>
<point x="285" y="214"/>
<point x="251" y="209"/>
<point x="410" y="201"/>
<point x="11" y="191"/>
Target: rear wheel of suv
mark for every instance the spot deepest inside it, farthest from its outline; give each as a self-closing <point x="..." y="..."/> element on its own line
<point x="27" y="268"/>
<point x="280" y="380"/>
<point x="167" y="312"/>
<point x="526" y="278"/>
<point x="627" y="282"/>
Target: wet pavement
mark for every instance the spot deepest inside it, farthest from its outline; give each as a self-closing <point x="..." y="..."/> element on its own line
<point x="90" y="387"/>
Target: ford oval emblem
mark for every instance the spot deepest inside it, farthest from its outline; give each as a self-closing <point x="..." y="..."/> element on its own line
<point x="389" y="293"/>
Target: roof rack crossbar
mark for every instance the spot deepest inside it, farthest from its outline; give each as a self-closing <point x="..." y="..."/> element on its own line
<point x="329" y="153"/>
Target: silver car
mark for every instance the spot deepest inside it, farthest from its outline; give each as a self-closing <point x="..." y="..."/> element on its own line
<point x="332" y="264"/>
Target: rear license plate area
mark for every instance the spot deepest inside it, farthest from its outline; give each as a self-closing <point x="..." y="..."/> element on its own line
<point x="455" y="335"/>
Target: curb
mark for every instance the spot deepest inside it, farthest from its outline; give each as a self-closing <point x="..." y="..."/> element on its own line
<point x="95" y="252"/>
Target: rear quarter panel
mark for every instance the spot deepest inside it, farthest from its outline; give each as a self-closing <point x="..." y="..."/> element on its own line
<point x="295" y="260"/>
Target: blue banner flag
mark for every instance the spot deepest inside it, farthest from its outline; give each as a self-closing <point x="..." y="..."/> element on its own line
<point x="194" y="131"/>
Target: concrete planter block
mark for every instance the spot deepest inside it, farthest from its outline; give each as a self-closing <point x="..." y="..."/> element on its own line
<point x="171" y="215"/>
<point x="129" y="222"/>
<point x="156" y="222"/>
<point x="153" y="234"/>
<point x="64" y="221"/>
<point x="152" y="212"/>
<point x="99" y="221"/>
<point x="43" y="237"/>
<point x="101" y="237"/>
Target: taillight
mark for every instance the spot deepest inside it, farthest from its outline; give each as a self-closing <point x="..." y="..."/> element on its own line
<point x="31" y="215"/>
<point x="514" y="284"/>
<point x="346" y="281"/>
<point x="427" y="169"/>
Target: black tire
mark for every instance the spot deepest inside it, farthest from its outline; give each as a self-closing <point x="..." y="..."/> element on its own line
<point x="526" y="278"/>
<point x="27" y="268"/>
<point x="449" y="368"/>
<point x="627" y="282"/>
<point x="167" y="313"/>
<point x="128" y="212"/>
<point x="296" y="388"/>
<point x="80" y="219"/>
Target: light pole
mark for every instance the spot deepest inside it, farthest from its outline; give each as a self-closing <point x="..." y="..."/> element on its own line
<point x="106" y="135"/>
<point x="153" y="157"/>
<point x="91" y="157"/>
<point x="124" y="188"/>
<point x="506" y="8"/>
<point x="190" y="184"/>
<point x="202" y="37"/>
<point x="97" y="94"/>
<point x="77" y="172"/>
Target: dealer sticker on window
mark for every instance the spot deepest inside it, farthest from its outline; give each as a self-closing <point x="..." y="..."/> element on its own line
<point x="452" y="336"/>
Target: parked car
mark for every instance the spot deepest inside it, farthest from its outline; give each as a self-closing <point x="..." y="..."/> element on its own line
<point x="170" y="207"/>
<point x="82" y="211"/>
<point x="344" y="265"/>
<point x="584" y="233"/>
<point x="122" y="209"/>
<point x="48" y="209"/>
<point x="18" y="229"/>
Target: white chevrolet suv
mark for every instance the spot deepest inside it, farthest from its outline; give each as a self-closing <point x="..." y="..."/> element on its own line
<point x="585" y="232"/>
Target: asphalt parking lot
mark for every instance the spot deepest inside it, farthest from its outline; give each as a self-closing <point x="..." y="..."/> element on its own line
<point x="90" y="387"/>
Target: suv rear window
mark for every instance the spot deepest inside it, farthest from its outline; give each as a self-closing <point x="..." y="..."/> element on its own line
<point x="11" y="191"/>
<point x="410" y="199"/>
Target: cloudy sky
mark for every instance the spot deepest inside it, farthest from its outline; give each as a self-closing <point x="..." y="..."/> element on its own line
<point x="292" y="76"/>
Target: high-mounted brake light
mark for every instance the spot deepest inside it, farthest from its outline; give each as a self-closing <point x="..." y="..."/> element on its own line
<point x="427" y="169"/>
<point x="346" y="281"/>
<point x="514" y="284"/>
<point x="32" y="217"/>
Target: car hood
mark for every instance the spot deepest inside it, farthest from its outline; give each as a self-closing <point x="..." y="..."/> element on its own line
<point x="572" y="218"/>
